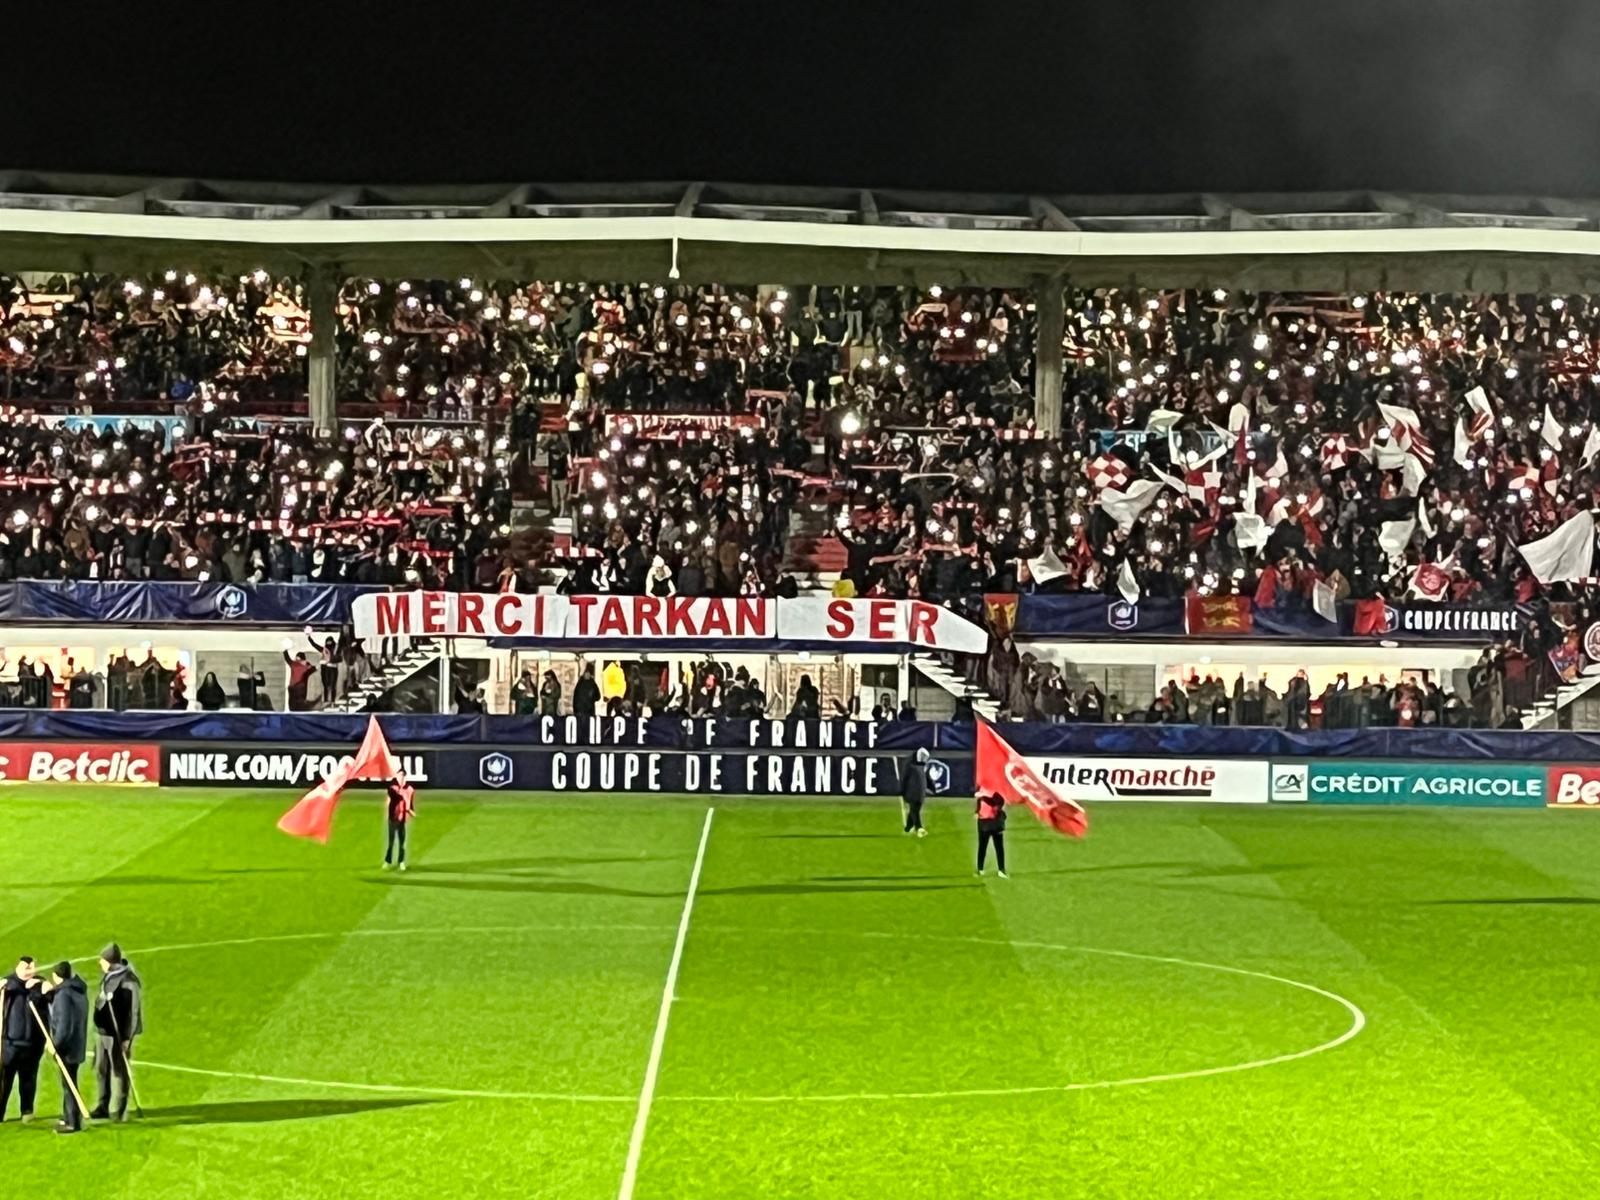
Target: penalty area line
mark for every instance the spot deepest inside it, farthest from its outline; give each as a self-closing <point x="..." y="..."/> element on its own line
<point x="630" y="1169"/>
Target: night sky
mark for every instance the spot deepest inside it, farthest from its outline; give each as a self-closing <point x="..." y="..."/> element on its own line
<point x="1420" y="95"/>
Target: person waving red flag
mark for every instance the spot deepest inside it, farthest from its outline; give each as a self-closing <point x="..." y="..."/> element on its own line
<point x="1002" y="772"/>
<point x="312" y="817"/>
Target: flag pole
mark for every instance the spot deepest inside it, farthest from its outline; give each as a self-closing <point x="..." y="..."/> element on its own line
<point x="127" y="1063"/>
<point x="66" y="1077"/>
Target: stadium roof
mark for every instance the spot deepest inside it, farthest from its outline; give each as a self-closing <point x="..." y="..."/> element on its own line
<point x="711" y="231"/>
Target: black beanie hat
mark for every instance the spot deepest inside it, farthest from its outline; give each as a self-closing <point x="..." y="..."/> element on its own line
<point x="112" y="953"/>
<point x="62" y="970"/>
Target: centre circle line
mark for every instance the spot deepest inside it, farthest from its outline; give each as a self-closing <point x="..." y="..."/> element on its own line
<point x="1358" y="1020"/>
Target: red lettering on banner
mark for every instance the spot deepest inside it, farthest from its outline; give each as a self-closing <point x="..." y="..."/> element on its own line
<point x="432" y="612"/>
<point x="880" y="620"/>
<point x="678" y="619"/>
<point x="919" y="626"/>
<point x="716" y="619"/>
<point x="647" y="615"/>
<point x="394" y="613"/>
<point x="750" y="617"/>
<point x="581" y="605"/>
<point x="510" y="625"/>
<point x="841" y="622"/>
<point x="611" y="618"/>
<point x="471" y="613"/>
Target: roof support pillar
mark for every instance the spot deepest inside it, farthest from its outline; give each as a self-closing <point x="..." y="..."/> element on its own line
<point x="1050" y="316"/>
<point x="322" y="301"/>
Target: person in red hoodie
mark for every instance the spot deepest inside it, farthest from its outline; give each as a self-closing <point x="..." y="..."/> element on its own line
<point x="402" y="806"/>
<point x="300" y="672"/>
<point x="991" y="812"/>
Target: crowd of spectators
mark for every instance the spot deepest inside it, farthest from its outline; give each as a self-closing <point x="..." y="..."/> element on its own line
<point x="1210" y="442"/>
<point x="1499" y="687"/>
<point x="252" y="501"/>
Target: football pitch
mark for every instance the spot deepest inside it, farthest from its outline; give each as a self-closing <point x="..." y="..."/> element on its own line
<point x="1196" y="1001"/>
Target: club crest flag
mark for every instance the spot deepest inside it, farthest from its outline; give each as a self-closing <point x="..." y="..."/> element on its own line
<point x="1001" y="771"/>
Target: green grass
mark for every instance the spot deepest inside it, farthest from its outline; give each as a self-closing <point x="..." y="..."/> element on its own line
<point x="839" y="986"/>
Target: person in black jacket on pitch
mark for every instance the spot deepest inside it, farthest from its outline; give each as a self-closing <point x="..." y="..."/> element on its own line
<point x="118" y="1019"/>
<point x="69" y="1034"/>
<point x="992" y="828"/>
<point x="21" y="1038"/>
<point x="914" y="790"/>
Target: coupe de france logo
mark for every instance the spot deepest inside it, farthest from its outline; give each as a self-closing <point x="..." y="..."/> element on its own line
<point x="232" y="602"/>
<point x="938" y="776"/>
<point x="1122" y="615"/>
<point x="494" y="770"/>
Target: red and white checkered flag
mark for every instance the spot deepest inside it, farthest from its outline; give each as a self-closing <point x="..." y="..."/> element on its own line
<point x="1108" y="471"/>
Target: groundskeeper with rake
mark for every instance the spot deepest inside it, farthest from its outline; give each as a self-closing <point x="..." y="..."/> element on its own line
<point x="118" y="1019"/>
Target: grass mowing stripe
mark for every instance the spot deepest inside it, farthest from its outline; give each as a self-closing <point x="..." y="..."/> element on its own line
<point x="630" y="1169"/>
<point x="70" y="824"/>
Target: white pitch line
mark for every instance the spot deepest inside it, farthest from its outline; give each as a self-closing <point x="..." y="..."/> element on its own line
<point x="394" y="1089"/>
<point x="630" y="1169"/>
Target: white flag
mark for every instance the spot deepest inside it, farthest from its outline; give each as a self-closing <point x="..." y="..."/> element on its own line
<point x="1550" y="432"/>
<point x="1412" y="475"/>
<point x="1389" y="455"/>
<point x="1127" y="585"/>
<point x="1422" y="517"/>
<point x="1046" y="567"/>
<point x="1478" y="401"/>
<point x="1395" y="536"/>
<point x="1250" y="531"/>
<point x="1566" y="554"/>
<point x="1323" y="600"/>
<point x="1238" y="418"/>
<point x="1591" y="447"/>
<point x="1161" y="420"/>
<point x="1463" y="448"/>
<point x="1125" y="507"/>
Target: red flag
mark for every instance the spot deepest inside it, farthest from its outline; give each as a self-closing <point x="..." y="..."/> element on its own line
<point x="374" y="760"/>
<point x="1002" y="772"/>
<point x="1372" y="617"/>
<point x="312" y="817"/>
<point x="1217" y="614"/>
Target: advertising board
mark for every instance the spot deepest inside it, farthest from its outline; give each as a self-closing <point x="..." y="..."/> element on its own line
<point x="1227" y="780"/>
<point x="80" y="762"/>
<point x="1467" y="784"/>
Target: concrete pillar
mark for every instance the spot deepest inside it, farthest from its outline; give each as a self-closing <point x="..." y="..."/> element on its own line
<point x="445" y="689"/>
<point x="322" y="298"/>
<point x="1051" y="320"/>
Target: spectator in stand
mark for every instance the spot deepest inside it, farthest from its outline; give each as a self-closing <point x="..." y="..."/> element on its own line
<point x="585" y="693"/>
<point x="550" y="695"/>
<point x="300" y="673"/>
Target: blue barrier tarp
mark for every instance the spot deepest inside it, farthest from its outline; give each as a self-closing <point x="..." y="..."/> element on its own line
<point x="686" y="733"/>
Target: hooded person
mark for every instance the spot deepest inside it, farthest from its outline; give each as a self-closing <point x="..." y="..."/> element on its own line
<point x="211" y="696"/>
<point x="118" y="1019"/>
<point x="69" y="1037"/>
<point x="914" y="790"/>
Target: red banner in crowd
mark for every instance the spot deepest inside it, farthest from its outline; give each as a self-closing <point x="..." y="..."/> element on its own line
<point x="859" y="623"/>
<point x="671" y="425"/>
<point x="1218" y="614"/>
<point x="1371" y="618"/>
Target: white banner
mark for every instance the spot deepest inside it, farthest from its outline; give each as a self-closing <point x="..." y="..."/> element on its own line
<point x="861" y="623"/>
<point x="1225" y="780"/>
